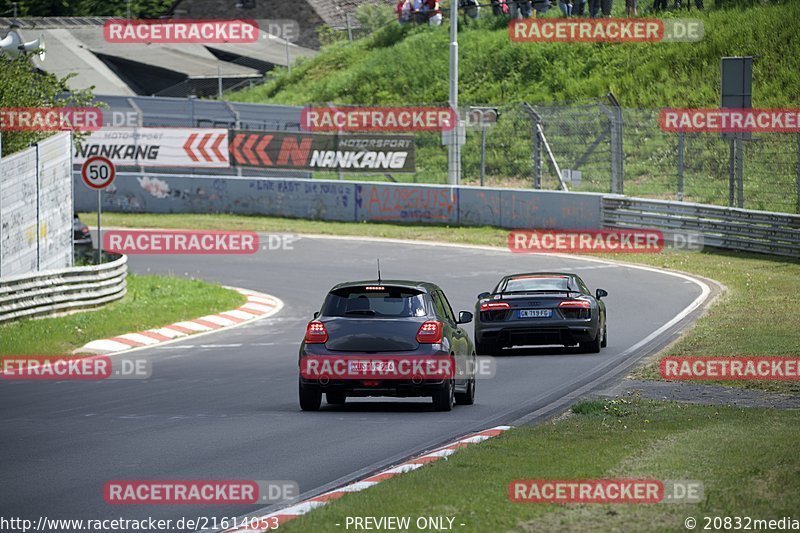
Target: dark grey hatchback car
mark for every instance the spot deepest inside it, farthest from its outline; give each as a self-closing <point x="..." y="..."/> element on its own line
<point x="381" y="338"/>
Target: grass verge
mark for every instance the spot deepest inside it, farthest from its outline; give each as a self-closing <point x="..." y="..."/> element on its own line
<point x="749" y="319"/>
<point x="152" y="301"/>
<point x="744" y="473"/>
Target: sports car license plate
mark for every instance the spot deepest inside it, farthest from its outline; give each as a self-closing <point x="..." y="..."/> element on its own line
<point x="535" y="313"/>
<point x="370" y="367"/>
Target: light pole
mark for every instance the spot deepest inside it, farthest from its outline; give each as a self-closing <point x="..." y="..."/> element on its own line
<point x="454" y="149"/>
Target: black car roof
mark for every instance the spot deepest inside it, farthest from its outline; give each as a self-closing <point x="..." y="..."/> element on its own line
<point x="422" y="286"/>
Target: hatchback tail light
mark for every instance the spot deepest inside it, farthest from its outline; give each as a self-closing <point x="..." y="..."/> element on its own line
<point x="316" y="333"/>
<point x="430" y="332"/>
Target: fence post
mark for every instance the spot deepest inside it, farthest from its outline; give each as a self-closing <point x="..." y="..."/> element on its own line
<point x="349" y="27"/>
<point x="483" y="152"/>
<point x="537" y="145"/>
<point x="38" y="212"/>
<point x="739" y="174"/>
<point x="798" y="172"/>
<point x="731" y="173"/>
<point x="615" y="120"/>
<point x="680" y="165"/>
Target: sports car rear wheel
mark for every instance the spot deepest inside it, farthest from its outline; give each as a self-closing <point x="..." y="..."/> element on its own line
<point x="593" y="346"/>
<point x="310" y="398"/>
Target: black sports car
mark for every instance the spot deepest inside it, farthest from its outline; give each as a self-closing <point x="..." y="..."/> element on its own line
<point x="540" y="308"/>
<point x="386" y="338"/>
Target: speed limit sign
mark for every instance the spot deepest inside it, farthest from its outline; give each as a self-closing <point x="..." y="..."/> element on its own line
<point x="98" y="172"/>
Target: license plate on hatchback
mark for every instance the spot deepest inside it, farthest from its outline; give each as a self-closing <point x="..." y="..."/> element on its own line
<point x="535" y="313"/>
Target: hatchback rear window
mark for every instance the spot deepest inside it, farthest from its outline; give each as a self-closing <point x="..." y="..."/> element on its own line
<point x="375" y="301"/>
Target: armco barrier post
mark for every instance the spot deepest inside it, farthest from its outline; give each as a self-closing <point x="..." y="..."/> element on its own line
<point x="615" y="120"/>
<point x="798" y="172"/>
<point x="680" y="165"/>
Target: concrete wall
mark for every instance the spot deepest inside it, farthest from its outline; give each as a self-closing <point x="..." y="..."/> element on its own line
<point x="347" y="201"/>
<point x="36" y="208"/>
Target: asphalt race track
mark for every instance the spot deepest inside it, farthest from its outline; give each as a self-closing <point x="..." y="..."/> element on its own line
<point x="224" y="406"/>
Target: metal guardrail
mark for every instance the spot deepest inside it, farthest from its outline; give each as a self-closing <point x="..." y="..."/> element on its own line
<point x="60" y="291"/>
<point x="722" y="227"/>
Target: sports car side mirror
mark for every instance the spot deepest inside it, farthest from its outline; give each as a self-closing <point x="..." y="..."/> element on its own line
<point x="600" y="293"/>
<point x="483" y="295"/>
<point x="464" y="317"/>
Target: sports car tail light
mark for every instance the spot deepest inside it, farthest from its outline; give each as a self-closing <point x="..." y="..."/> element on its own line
<point x="576" y="308"/>
<point x="494" y="306"/>
<point x="430" y="332"/>
<point x="316" y="333"/>
<point x="491" y="311"/>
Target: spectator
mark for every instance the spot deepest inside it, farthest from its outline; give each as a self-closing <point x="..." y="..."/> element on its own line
<point x="541" y="7"/>
<point x="417" y="15"/>
<point x="566" y="7"/>
<point x="600" y="8"/>
<point x="403" y="11"/>
<point x="658" y="5"/>
<point x="499" y="7"/>
<point x="578" y="7"/>
<point x="521" y="9"/>
<point x="472" y="8"/>
<point x="432" y="11"/>
<point x="698" y="4"/>
<point x="631" y="8"/>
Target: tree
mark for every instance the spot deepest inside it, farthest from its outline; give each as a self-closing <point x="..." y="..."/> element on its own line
<point x="21" y="85"/>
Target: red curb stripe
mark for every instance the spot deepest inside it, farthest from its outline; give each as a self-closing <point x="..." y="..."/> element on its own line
<point x="335" y="495"/>
<point x="154" y="335"/>
<point x="206" y="323"/>
<point x="381" y="477"/>
<point x="125" y="341"/>
<point x="421" y="461"/>
<point x="182" y="329"/>
<point x="231" y="317"/>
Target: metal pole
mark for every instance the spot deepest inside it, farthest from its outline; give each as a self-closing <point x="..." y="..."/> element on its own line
<point x="798" y="172"/>
<point x="453" y="152"/>
<point x="537" y="158"/>
<point x="288" y="58"/>
<point x="483" y="153"/>
<point x="349" y="28"/>
<point x="99" y="231"/>
<point x="14" y="5"/>
<point x="739" y="176"/>
<point x="127" y="9"/>
<point x="731" y="174"/>
<point x="680" y="166"/>
<point x="219" y="82"/>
